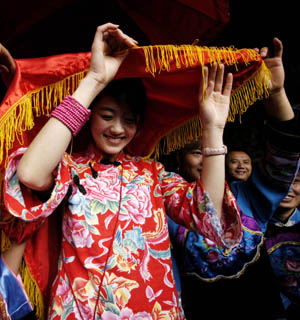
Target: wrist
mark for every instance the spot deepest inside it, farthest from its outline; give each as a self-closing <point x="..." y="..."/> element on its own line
<point x="212" y="137"/>
<point x="88" y="90"/>
<point x="72" y="114"/>
<point x="277" y="106"/>
<point x="276" y="93"/>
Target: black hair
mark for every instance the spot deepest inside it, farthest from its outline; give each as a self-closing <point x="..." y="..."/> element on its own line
<point x="239" y="149"/>
<point x="127" y="91"/>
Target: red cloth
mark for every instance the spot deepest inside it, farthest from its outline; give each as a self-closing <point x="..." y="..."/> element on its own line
<point x="178" y="21"/>
<point x="172" y="95"/>
<point x="172" y="100"/>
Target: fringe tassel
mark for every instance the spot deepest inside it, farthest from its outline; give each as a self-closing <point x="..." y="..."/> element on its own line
<point x="33" y="292"/>
<point x="20" y="117"/>
<point x="5" y="242"/>
<point x="256" y="88"/>
<point x="253" y="89"/>
<point x="178" y="138"/>
<point x="159" y="58"/>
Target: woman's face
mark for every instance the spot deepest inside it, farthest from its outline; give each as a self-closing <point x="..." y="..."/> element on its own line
<point x="192" y="165"/>
<point x="113" y="126"/>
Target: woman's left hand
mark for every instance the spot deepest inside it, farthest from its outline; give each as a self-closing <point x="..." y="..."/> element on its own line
<point x="109" y="49"/>
<point x="214" y="101"/>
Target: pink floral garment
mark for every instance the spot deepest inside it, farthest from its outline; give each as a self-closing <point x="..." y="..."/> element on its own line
<point x="138" y="282"/>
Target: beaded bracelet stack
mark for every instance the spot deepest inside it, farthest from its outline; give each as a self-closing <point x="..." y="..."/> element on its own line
<point x="72" y="114"/>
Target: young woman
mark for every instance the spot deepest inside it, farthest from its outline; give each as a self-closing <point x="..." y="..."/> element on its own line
<point x="115" y="259"/>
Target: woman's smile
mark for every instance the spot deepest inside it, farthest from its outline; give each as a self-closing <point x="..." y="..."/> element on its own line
<point x="112" y="126"/>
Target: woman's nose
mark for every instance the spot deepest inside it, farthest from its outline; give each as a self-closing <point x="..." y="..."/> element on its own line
<point x="117" y="127"/>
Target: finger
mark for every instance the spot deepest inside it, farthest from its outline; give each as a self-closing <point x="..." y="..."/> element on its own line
<point x="264" y="52"/>
<point x="3" y="69"/>
<point x="219" y="78"/>
<point x="212" y="71"/>
<point x="228" y="84"/>
<point x="135" y="41"/>
<point x="203" y="83"/>
<point x="107" y="26"/>
<point x="123" y="37"/>
<point x="278" y="48"/>
<point x="102" y="32"/>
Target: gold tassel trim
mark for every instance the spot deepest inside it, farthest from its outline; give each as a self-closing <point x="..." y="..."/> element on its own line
<point x="33" y="292"/>
<point x="20" y="116"/>
<point x="159" y="58"/>
<point x="5" y="242"/>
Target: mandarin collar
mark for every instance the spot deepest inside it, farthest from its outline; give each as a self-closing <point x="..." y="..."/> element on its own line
<point x="95" y="155"/>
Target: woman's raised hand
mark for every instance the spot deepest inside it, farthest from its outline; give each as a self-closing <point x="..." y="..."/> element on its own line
<point x="109" y="49"/>
<point x="214" y="102"/>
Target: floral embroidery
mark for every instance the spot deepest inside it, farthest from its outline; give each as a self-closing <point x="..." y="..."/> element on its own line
<point x="138" y="282"/>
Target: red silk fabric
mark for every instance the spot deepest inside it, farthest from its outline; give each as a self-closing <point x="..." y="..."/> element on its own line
<point x="172" y="95"/>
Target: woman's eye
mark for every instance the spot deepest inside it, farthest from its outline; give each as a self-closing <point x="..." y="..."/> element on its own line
<point x="106" y="117"/>
<point x="130" y="121"/>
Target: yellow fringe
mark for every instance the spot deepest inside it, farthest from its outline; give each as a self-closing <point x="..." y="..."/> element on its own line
<point x="253" y="89"/>
<point x="191" y="55"/>
<point x="33" y="291"/>
<point x="5" y="242"/>
<point x="20" y="117"/>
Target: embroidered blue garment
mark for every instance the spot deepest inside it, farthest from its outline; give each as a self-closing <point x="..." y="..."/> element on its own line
<point x="257" y="198"/>
<point x="283" y="245"/>
<point x="12" y="294"/>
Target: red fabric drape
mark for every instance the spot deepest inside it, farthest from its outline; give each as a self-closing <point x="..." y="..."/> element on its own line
<point x="178" y="21"/>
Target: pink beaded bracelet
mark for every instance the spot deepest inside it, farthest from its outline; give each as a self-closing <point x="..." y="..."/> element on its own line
<point x="72" y="114"/>
<point x="214" y="151"/>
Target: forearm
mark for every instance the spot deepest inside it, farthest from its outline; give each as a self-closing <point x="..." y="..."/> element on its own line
<point x="213" y="168"/>
<point x="13" y="256"/>
<point x="278" y="106"/>
<point x="43" y="154"/>
<point x="88" y="90"/>
<point x="46" y="150"/>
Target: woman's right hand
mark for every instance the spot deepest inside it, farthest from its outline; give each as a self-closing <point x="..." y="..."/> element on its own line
<point x="109" y="49"/>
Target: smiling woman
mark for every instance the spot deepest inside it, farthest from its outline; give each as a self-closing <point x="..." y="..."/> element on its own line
<point x="116" y="118"/>
<point x="115" y="259"/>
